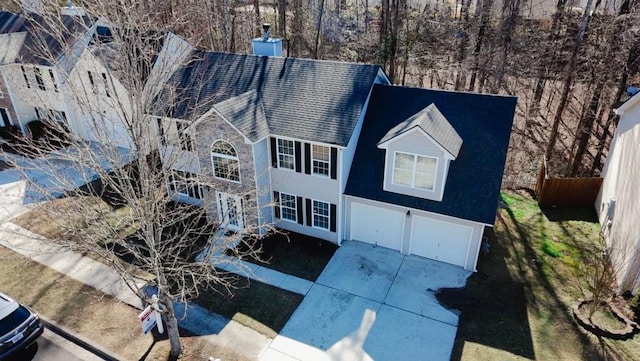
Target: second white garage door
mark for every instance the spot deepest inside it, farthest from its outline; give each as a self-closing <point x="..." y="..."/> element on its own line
<point x="377" y="225"/>
<point x="439" y="240"/>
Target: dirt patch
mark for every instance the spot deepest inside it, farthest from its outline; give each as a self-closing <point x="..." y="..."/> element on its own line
<point x="92" y="314"/>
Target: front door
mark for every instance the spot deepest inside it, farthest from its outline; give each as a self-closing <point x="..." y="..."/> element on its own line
<point x="230" y="211"/>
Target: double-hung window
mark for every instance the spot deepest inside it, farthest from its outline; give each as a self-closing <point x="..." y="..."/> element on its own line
<point x="414" y="171"/>
<point x="286" y="154"/>
<point x="321" y="214"/>
<point x="185" y="183"/>
<point x="39" y="80"/>
<point x="183" y="136"/>
<point x="320" y="157"/>
<point x="288" y="208"/>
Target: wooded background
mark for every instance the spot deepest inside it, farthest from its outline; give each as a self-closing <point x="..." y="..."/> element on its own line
<point x="569" y="62"/>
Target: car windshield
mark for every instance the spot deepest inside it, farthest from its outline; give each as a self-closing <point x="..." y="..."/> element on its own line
<point x="13" y="320"/>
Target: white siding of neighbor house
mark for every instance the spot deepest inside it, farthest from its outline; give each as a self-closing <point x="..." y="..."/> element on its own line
<point x="621" y="175"/>
<point x="25" y="99"/>
<point x="95" y="116"/>
<point x="472" y="231"/>
<point x="414" y="142"/>
<point x="263" y="187"/>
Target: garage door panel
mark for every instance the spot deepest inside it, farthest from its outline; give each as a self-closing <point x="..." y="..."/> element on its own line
<point x="443" y="241"/>
<point x="376" y="225"/>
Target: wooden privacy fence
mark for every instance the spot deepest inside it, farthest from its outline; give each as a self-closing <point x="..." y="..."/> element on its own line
<point x="566" y="191"/>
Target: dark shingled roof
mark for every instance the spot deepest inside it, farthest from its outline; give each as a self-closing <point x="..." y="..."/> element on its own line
<point x="40" y="47"/>
<point x="301" y="98"/>
<point x="246" y="113"/>
<point x="473" y="184"/>
<point x="432" y="122"/>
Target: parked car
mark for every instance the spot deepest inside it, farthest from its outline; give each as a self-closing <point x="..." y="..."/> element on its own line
<point x="19" y="326"/>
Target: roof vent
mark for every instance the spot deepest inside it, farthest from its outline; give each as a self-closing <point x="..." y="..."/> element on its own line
<point x="265" y="45"/>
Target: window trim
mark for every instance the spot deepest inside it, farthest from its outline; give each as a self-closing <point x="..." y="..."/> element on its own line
<point x="292" y="155"/>
<point x="184" y="138"/>
<point x="413" y="171"/>
<point x="106" y="85"/>
<point x="25" y="76"/>
<point x="314" y="160"/>
<point x="225" y="156"/>
<point x="9" y="120"/>
<point x="187" y="177"/>
<point x="39" y="80"/>
<point x="53" y="80"/>
<point x="314" y="213"/>
<point x="283" y="207"/>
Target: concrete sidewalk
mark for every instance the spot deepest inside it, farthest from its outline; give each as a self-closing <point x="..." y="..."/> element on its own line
<point x="198" y="321"/>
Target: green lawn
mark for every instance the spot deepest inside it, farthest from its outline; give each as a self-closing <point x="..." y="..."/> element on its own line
<point x="525" y="286"/>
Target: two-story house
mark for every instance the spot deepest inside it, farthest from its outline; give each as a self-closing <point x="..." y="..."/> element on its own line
<point x="56" y="70"/>
<point x="332" y="150"/>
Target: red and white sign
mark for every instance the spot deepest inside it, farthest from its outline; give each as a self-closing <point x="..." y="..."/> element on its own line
<point x="148" y="318"/>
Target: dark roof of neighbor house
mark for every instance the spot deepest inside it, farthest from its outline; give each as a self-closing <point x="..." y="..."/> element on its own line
<point x="43" y="45"/>
<point x="302" y="98"/>
<point x="432" y="122"/>
<point x="473" y="183"/>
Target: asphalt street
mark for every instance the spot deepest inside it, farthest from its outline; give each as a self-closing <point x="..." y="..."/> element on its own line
<point x="52" y="347"/>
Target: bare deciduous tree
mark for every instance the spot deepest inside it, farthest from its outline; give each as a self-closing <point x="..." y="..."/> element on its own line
<point x="107" y="89"/>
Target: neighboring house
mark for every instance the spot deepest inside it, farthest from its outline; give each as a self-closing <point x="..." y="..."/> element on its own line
<point x="617" y="203"/>
<point x="332" y="150"/>
<point x="60" y="75"/>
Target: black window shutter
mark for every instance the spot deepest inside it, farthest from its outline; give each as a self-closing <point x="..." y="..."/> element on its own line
<point x="276" y="203"/>
<point x="298" y="157"/>
<point x="307" y="158"/>
<point x="334" y="163"/>
<point x="299" y="209"/>
<point x="332" y="216"/>
<point x="309" y="210"/>
<point x="274" y="153"/>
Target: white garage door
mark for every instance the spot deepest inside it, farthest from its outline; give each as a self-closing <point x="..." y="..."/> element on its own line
<point x="373" y="224"/>
<point x="439" y="240"/>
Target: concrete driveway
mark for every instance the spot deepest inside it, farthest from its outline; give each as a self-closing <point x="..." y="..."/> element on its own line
<point x="372" y="303"/>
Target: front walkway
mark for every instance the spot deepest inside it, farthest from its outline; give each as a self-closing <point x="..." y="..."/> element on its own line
<point x="372" y="303"/>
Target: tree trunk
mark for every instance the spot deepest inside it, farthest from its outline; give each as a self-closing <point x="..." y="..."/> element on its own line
<point x="318" y="30"/>
<point x="282" y="18"/>
<point x="548" y="57"/>
<point x="171" y="324"/>
<point x="464" y="40"/>
<point x="385" y="37"/>
<point x="510" y="12"/>
<point x="297" y="29"/>
<point x="568" y="80"/>
<point x="256" y="9"/>
<point x="484" y="16"/>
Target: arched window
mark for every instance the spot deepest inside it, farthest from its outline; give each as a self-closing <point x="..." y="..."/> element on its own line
<point x="225" y="161"/>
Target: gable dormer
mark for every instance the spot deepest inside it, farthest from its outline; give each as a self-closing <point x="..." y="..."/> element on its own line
<point x="419" y="151"/>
